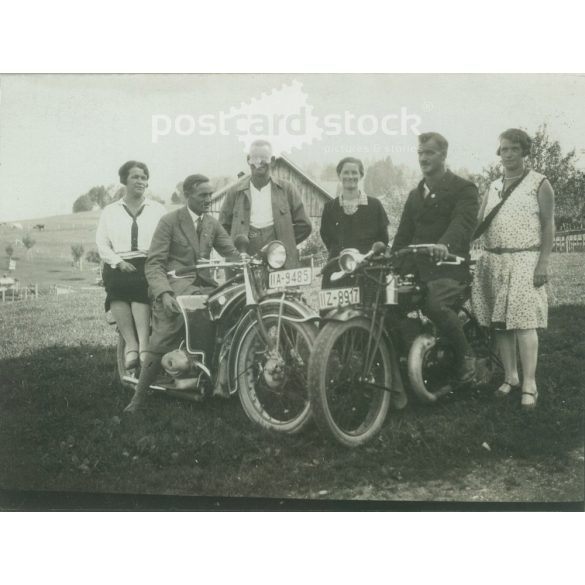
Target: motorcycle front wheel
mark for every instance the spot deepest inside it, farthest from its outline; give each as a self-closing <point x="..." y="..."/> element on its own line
<point x="349" y="399"/>
<point x="272" y="384"/>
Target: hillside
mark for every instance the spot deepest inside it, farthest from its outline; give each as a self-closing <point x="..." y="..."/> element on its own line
<point x="49" y="261"/>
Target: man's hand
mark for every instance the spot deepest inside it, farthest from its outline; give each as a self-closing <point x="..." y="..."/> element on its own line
<point x="169" y="303"/>
<point x="540" y="276"/>
<point x="126" y="266"/>
<point x="438" y="252"/>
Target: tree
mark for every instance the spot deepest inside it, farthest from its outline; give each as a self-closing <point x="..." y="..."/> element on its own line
<point x="99" y="195"/>
<point x="83" y="203"/>
<point x="329" y="173"/>
<point x="391" y="184"/>
<point x="567" y="181"/>
<point x="9" y="251"/>
<point x="28" y="242"/>
<point x="155" y="197"/>
<point x="77" y="253"/>
<point x="177" y="197"/>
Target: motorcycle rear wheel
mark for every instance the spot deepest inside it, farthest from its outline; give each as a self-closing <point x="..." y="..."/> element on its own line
<point x="348" y="402"/>
<point x="278" y="404"/>
<point x="430" y="362"/>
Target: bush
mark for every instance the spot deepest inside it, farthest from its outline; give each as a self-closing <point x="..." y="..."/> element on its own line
<point x="93" y="257"/>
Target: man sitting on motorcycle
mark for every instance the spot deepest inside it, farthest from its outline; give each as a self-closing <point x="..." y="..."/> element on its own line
<point x="182" y="238"/>
<point x="441" y="211"/>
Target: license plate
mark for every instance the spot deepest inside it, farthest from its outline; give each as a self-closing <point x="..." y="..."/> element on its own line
<point x="338" y="297"/>
<point x="292" y="277"/>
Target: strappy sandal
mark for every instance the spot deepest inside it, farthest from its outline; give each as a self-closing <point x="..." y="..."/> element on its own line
<point x="529" y="400"/>
<point x="131" y="362"/>
<point x="505" y="389"/>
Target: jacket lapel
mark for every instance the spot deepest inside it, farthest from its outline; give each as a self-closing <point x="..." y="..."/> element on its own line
<point x="441" y="191"/>
<point x="188" y="229"/>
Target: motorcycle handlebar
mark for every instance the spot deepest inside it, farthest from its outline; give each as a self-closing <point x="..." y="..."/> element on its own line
<point x="188" y="270"/>
<point x="425" y="249"/>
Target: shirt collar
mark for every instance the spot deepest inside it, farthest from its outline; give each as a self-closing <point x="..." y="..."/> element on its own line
<point x="145" y="202"/>
<point x="193" y="215"/>
<point x="255" y="189"/>
<point x="362" y="199"/>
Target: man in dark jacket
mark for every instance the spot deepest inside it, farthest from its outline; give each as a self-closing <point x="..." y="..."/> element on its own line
<point x="441" y="211"/>
<point x="263" y="208"/>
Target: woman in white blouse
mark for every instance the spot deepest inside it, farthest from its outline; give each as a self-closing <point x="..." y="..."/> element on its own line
<point x="124" y="233"/>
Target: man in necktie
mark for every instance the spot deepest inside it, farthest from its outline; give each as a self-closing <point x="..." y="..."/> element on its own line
<point x="182" y="238"/>
<point x="264" y="208"/>
<point x="441" y="211"/>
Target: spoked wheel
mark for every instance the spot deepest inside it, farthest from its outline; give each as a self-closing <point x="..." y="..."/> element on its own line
<point x="348" y="387"/>
<point x="123" y="373"/>
<point x="430" y="368"/>
<point x="273" y="383"/>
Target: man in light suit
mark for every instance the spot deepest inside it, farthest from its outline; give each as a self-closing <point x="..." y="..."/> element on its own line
<point x="263" y="208"/>
<point x="182" y="238"/>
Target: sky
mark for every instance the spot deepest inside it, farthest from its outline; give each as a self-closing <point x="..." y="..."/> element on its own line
<point x="62" y="134"/>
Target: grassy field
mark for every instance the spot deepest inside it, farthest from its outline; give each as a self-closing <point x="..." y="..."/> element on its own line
<point x="61" y="424"/>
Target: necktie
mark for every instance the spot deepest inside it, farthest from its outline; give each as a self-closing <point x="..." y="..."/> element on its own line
<point x="199" y="226"/>
<point x="134" y="229"/>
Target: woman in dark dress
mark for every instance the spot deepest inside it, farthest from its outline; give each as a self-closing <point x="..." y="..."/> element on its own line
<point x="351" y="220"/>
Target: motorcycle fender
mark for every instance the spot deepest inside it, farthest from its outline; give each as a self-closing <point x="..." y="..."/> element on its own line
<point x="342" y="314"/>
<point x="292" y="310"/>
<point x="420" y="346"/>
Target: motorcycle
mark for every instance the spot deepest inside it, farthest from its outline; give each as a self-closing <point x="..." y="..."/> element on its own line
<point x="256" y="342"/>
<point x="373" y="334"/>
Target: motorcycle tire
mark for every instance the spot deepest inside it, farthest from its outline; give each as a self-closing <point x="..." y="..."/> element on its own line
<point x="344" y="405"/>
<point x="278" y="403"/>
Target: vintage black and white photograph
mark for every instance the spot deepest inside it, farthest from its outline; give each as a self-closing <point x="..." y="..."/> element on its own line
<point x="298" y="287"/>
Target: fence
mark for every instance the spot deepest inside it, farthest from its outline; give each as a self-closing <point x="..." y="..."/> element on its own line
<point x="565" y="241"/>
<point x="16" y="292"/>
<point x="570" y="241"/>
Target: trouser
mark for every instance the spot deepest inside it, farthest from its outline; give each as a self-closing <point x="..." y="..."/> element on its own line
<point x="444" y="298"/>
<point x="259" y="238"/>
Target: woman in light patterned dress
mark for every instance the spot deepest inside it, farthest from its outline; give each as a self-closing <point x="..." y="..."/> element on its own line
<point x="508" y="291"/>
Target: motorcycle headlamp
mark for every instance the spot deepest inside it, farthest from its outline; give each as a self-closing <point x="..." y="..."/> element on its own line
<point x="349" y="260"/>
<point x="275" y="254"/>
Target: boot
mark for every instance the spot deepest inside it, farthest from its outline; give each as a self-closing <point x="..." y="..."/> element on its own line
<point x="466" y="372"/>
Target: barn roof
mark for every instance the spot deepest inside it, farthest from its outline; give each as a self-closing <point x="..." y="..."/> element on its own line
<point x="324" y="191"/>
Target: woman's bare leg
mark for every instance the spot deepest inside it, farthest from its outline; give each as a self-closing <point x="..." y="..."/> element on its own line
<point x="528" y="349"/>
<point x="122" y="312"/>
<point x="506" y="342"/>
<point x="141" y="313"/>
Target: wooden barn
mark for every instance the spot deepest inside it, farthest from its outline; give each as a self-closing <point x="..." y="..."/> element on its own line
<point x="313" y="194"/>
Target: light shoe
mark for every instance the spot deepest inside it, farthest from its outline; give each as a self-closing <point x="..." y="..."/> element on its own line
<point x="529" y="400"/>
